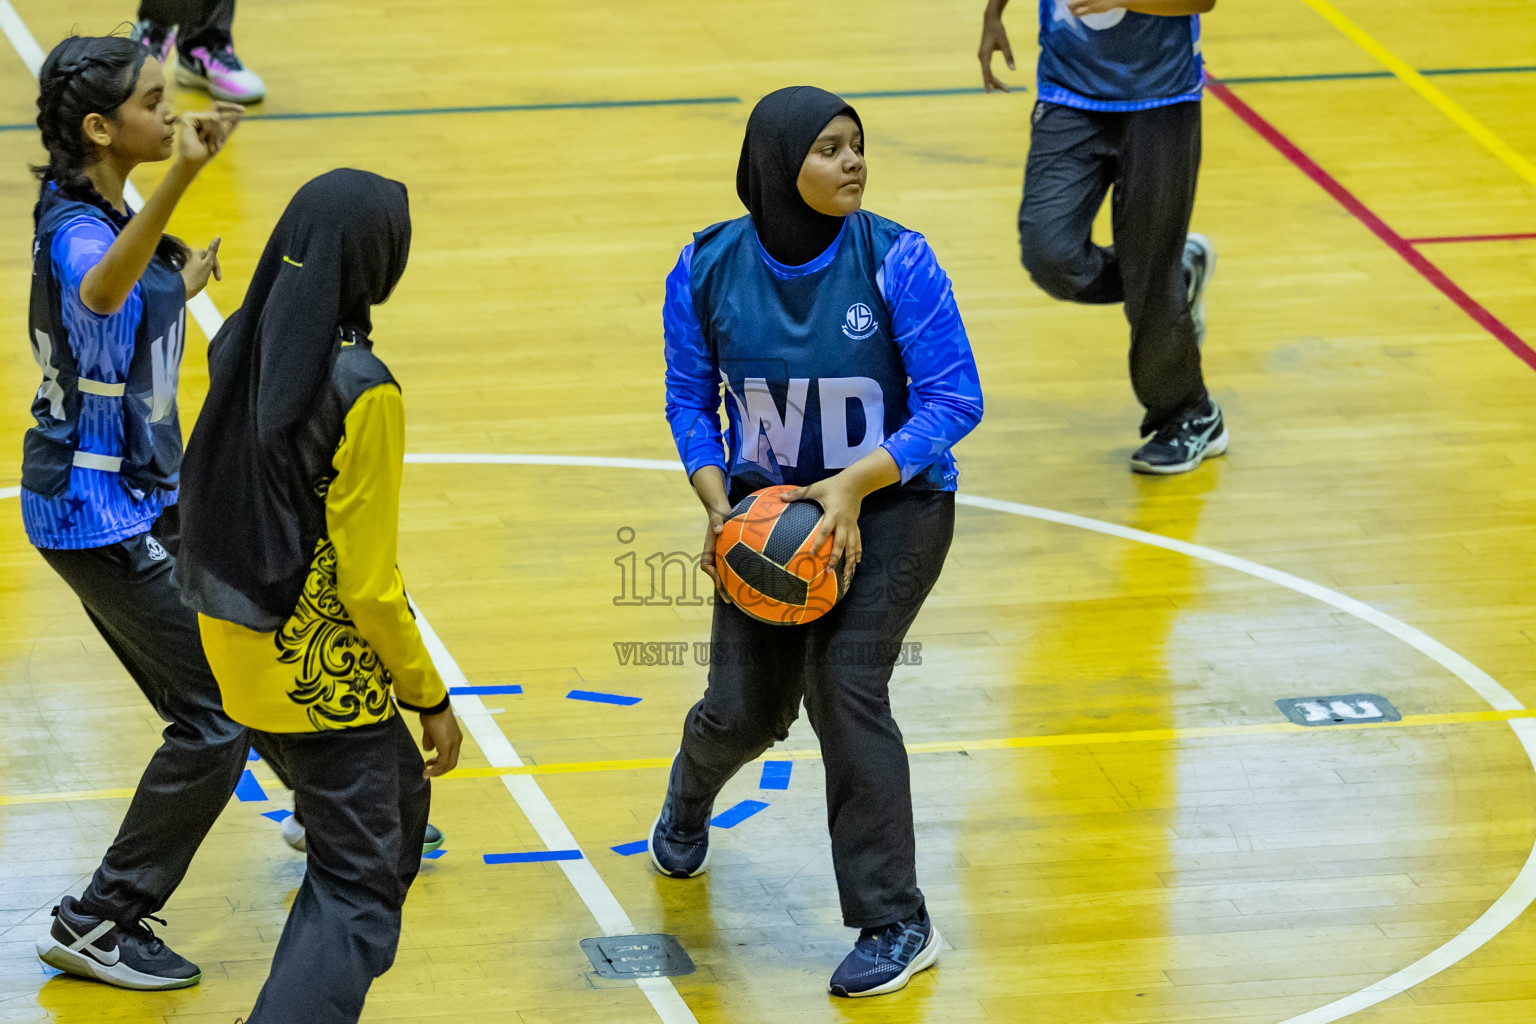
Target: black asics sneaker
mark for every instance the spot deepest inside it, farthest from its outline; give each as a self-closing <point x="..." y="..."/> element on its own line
<point x="677" y="849"/>
<point x="1198" y="435"/>
<point x="128" y="956"/>
<point x="1199" y="268"/>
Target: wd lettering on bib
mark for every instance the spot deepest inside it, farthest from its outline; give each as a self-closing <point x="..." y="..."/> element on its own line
<point x="812" y="375"/>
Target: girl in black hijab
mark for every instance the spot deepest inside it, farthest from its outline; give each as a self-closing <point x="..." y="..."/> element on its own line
<point x="290" y="496"/>
<point x="847" y="375"/>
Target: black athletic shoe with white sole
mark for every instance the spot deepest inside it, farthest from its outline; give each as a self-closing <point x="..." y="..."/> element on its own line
<point x="1181" y="446"/>
<point x="128" y="956"/>
<point x="678" y="850"/>
<point x="1199" y="268"/>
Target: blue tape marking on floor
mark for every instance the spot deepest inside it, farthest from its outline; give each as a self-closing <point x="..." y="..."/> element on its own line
<point x="776" y="774"/>
<point x="434" y="854"/>
<point x="248" y="789"/>
<point x="476" y="690"/>
<point x="532" y="856"/>
<point x="251" y="755"/>
<point x="602" y="698"/>
<point x="629" y="849"/>
<point x="277" y="815"/>
<point x="736" y="815"/>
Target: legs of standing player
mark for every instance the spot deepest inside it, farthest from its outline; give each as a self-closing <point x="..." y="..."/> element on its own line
<point x="1155" y="267"/>
<point x="363" y="796"/>
<point x="128" y="593"/>
<point x="841" y="664"/>
<point x="850" y="654"/>
<point x="204" y="44"/>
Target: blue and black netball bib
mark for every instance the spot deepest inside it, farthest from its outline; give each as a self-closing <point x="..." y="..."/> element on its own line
<point x="812" y="375"/>
<point x="104" y="457"/>
<point x="1118" y="60"/>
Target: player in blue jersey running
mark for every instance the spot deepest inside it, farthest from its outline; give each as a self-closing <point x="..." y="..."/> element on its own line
<point x="847" y="372"/>
<point x="1120" y="88"/>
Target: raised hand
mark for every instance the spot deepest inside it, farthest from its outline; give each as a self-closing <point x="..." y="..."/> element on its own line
<point x="203" y="133"/>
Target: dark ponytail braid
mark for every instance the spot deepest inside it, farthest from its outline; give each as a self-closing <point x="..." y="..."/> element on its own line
<point x="88" y="75"/>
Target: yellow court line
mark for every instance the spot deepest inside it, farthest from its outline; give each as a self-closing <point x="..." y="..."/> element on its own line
<point x="1421" y="85"/>
<point x="1024" y="742"/>
<point x="949" y="746"/>
<point x="74" y="794"/>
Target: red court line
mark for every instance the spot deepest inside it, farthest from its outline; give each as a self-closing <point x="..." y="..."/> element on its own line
<point x="1471" y="238"/>
<point x="1396" y="242"/>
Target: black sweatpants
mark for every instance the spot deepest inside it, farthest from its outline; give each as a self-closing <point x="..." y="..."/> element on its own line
<point x="1152" y="158"/>
<point x="841" y="666"/>
<point x="200" y="22"/>
<point x="128" y="593"/>
<point x="364" y="805"/>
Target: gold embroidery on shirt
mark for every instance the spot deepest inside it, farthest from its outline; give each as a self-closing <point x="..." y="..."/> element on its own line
<point x="339" y="680"/>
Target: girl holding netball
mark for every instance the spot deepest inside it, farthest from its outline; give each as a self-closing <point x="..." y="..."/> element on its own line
<point x="292" y="496"/>
<point x="100" y="470"/>
<point x="848" y="374"/>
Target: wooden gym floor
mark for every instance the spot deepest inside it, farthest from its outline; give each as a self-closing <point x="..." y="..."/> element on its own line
<point x="1115" y="823"/>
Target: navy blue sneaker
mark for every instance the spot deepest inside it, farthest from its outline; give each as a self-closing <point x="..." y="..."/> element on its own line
<point x="1198" y="435"/>
<point x="678" y="850"/>
<point x="128" y="956"/>
<point x="884" y="959"/>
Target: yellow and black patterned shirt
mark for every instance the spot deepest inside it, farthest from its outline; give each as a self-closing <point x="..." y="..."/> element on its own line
<point x="351" y="648"/>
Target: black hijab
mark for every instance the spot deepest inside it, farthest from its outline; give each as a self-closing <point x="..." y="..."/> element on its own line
<point x="780" y="133"/>
<point x="337" y="251"/>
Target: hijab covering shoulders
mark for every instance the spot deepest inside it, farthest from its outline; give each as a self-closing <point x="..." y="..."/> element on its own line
<point x="783" y="127"/>
<point x="247" y="537"/>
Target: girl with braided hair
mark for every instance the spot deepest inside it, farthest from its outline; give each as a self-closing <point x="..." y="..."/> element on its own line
<point x="100" y="470"/>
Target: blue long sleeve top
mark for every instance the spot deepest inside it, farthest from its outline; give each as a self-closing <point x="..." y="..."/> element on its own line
<point x="772" y="334"/>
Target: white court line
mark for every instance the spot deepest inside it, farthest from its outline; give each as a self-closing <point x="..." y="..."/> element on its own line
<point x="1504" y="911"/>
<point x="546" y="821"/>
<point x="21" y="38"/>
<point x="10" y="492"/>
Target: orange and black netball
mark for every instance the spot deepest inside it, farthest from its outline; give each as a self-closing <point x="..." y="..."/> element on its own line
<point x="766" y="563"/>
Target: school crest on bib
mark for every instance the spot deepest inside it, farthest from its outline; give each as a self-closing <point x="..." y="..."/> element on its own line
<point x="859" y="322"/>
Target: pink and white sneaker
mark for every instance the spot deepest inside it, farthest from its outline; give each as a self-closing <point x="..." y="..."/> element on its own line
<point x="155" y="39"/>
<point x="220" y="74"/>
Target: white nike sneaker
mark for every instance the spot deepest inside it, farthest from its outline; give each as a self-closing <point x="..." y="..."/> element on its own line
<point x="128" y="956"/>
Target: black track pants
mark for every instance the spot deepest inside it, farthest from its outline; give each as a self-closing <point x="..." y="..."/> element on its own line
<point x="1152" y="158"/>
<point x="840" y="665"/>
